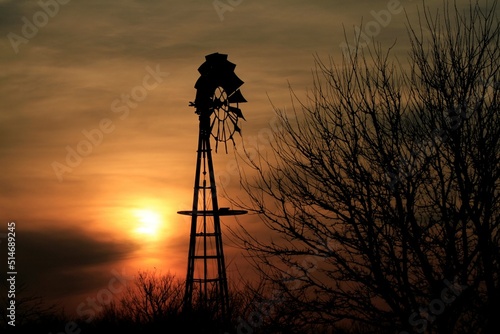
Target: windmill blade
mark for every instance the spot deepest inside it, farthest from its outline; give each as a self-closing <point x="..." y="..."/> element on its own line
<point x="229" y="81"/>
<point x="237" y="112"/>
<point x="215" y="72"/>
<point x="215" y="61"/>
<point x="237" y="128"/>
<point x="236" y="97"/>
<point x="221" y="72"/>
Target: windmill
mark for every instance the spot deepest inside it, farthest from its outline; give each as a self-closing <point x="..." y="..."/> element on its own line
<point x="217" y="106"/>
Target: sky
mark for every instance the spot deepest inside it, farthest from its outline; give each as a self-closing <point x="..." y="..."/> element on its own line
<point x="94" y="179"/>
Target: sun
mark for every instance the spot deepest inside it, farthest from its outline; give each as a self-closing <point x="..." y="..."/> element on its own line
<point x="149" y="222"/>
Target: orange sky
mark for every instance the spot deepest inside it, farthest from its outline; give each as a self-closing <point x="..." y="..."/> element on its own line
<point x="115" y="207"/>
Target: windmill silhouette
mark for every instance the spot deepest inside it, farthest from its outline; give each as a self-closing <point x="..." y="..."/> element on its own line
<point x="217" y="100"/>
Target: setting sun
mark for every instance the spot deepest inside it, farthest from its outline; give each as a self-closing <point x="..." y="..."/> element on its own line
<point x="149" y="222"/>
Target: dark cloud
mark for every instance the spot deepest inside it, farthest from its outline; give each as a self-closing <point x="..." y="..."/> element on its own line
<point x="56" y="261"/>
<point x="11" y="12"/>
<point x="69" y="249"/>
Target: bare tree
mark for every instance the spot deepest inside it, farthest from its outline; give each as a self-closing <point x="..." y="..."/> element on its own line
<point x="31" y="310"/>
<point x="382" y="191"/>
<point x="152" y="298"/>
<point x="154" y="302"/>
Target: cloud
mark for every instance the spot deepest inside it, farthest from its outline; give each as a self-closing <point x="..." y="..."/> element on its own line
<point x="11" y="13"/>
<point x="59" y="262"/>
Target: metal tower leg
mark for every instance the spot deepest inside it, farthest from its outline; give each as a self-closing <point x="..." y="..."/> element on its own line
<point x="205" y="242"/>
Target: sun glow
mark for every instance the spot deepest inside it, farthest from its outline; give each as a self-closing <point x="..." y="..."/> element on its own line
<point x="149" y="222"/>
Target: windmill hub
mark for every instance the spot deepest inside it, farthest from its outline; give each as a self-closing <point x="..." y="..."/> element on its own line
<point x="220" y="101"/>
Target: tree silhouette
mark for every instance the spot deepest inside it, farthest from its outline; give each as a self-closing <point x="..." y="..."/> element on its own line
<point x="32" y="312"/>
<point x="154" y="303"/>
<point x="152" y="298"/>
<point x="381" y="191"/>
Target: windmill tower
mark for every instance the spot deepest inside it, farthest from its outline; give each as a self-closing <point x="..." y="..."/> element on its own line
<point x="216" y="104"/>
